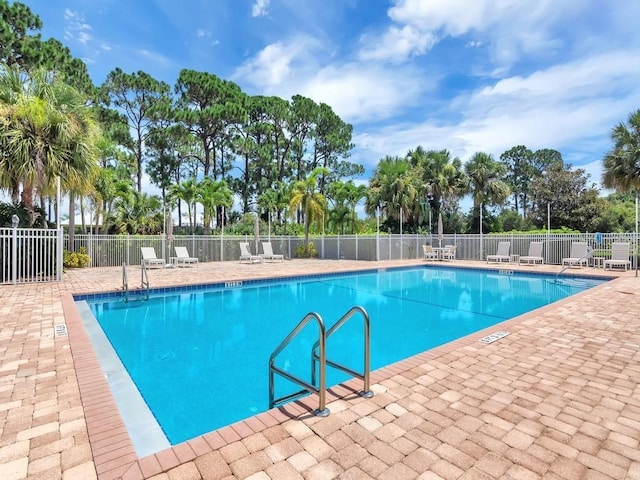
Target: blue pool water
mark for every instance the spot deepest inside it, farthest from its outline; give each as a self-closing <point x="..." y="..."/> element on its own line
<point x="200" y="357"/>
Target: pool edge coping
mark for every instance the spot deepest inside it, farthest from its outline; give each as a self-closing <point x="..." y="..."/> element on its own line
<point x="113" y="451"/>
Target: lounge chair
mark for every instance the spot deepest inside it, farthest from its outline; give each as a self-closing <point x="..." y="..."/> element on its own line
<point x="534" y="256"/>
<point x="502" y="255"/>
<point x="268" y="254"/>
<point x="183" y="258"/>
<point x="449" y="253"/>
<point x="619" y="256"/>
<point x="246" y="256"/>
<point x="149" y="258"/>
<point x="579" y="255"/>
<point x="428" y="253"/>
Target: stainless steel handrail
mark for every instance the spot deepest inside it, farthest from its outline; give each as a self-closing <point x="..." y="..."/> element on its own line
<point x="144" y="278"/>
<point x="322" y="411"/>
<point x="365" y="376"/>
<point x="571" y="264"/>
<point x="125" y="282"/>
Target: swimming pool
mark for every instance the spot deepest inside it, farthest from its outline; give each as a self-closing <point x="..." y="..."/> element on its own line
<point x="199" y="357"/>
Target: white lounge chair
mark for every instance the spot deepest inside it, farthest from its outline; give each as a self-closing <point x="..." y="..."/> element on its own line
<point x="535" y="254"/>
<point x="268" y="253"/>
<point x="428" y="253"/>
<point x="619" y="256"/>
<point x="502" y="255"/>
<point x="579" y="255"/>
<point x="449" y="253"/>
<point x="149" y="258"/>
<point x="246" y="256"/>
<point x="183" y="258"/>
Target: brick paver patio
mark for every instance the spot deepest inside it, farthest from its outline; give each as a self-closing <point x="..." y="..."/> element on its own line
<point x="559" y="398"/>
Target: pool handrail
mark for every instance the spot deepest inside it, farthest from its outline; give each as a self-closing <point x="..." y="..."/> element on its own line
<point x="365" y="375"/>
<point x="125" y="282"/>
<point x="144" y="278"/>
<point x="322" y="410"/>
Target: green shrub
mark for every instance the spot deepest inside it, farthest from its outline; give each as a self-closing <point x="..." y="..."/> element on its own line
<point x="306" y="252"/>
<point x="76" y="259"/>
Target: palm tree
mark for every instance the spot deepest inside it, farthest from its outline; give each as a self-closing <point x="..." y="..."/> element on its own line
<point x="345" y="196"/>
<point x="485" y="181"/>
<point x="441" y="177"/>
<point x="139" y="213"/>
<point x="312" y="203"/>
<point x="110" y="184"/>
<point x="212" y="194"/>
<point x="186" y="191"/>
<point x="47" y="131"/>
<point x="622" y="163"/>
<point x="276" y="199"/>
<point x="393" y="188"/>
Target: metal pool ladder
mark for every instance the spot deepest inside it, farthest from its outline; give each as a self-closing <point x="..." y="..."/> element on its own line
<point x="125" y="282"/>
<point x="318" y="354"/>
<point x="144" y="281"/>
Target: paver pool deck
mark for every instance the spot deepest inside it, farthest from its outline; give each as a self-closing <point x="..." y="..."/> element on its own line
<point x="559" y="398"/>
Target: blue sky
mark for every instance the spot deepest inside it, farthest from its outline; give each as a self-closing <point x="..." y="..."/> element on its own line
<point x="465" y="75"/>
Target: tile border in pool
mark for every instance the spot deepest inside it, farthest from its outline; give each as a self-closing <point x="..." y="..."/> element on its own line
<point x="113" y="452"/>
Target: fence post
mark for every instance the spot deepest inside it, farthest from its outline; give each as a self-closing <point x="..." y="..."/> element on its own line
<point x="59" y="254"/>
<point x="14" y="255"/>
<point x="356" y="246"/>
<point x="127" y="253"/>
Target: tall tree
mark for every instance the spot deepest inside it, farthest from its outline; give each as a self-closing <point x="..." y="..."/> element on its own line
<point x="485" y="181"/>
<point x="144" y="102"/>
<point x="441" y="178"/>
<point x="574" y="202"/>
<point x="46" y="132"/>
<point x="518" y="162"/>
<point x="212" y="194"/>
<point x="394" y="188"/>
<point x="206" y="106"/>
<point x="306" y="198"/>
<point x="22" y="46"/>
<point x="622" y="162"/>
<point x="187" y="191"/>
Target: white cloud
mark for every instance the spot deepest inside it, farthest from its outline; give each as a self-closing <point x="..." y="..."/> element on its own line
<point x="270" y="67"/>
<point x="397" y="44"/>
<point x="359" y="93"/>
<point x="509" y="28"/>
<point x="203" y="33"/>
<point x="76" y="27"/>
<point x="356" y="91"/>
<point x="570" y="108"/>
<point x="260" y="8"/>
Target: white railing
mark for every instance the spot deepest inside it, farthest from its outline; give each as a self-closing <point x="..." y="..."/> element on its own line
<point x="30" y="255"/>
<point x="113" y="250"/>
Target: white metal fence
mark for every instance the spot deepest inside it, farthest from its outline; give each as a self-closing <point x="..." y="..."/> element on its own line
<point x="30" y="255"/>
<point x="113" y="250"/>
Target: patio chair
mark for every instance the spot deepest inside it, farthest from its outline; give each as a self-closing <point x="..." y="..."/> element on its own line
<point x="502" y="255"/>
<point x="535" y="254"/>
<point x="619" y="256"/>
<point x="183" y="258"/>
<point x="428" y="253"/>
<point x="246" y="256"/>
<point x="449" y="253"/>
<point x="149" y="258"/>
<point x="268" y="254"/>
<point x="579" y="255"/>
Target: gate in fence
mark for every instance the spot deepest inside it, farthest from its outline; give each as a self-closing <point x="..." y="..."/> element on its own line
<point x="30" y="255"/>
